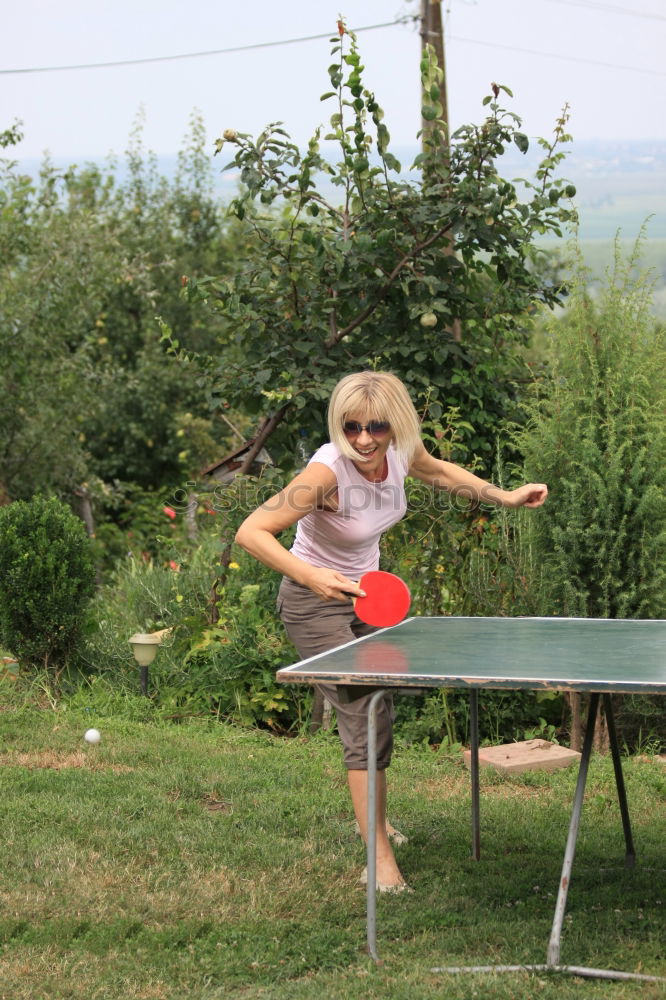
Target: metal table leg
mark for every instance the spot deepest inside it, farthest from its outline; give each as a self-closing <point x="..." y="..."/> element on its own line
<point x="553" y="955"/>
<point x="630" y="853"/>
<point x="474" y="771"/>
<point x="372" y="826"/>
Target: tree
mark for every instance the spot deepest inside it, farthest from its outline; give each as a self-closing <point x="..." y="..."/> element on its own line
<point x="49" y="266"/>
<point x="85" y="264"/>
<point x="326" y="288"/>
<point x="163" y="229"/>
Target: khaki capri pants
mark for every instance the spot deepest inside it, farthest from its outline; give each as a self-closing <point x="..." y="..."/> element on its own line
<point x="315" y="626"/>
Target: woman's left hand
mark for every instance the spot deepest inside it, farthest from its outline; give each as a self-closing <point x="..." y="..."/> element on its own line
<point x="529" y="495"/>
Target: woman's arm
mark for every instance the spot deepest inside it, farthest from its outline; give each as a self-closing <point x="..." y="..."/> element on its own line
<point x="309" y="490"/>
<point x="447" y="476"/>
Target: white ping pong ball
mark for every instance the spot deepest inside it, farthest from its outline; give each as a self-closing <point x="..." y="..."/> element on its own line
<point x="92" y="736"/>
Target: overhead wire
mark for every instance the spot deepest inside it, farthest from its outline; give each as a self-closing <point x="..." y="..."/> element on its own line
<point x="198" y="55"/>
<point x="609" y="8"/>
<point x="555" y="55"/>
<point x="371" y="27"/>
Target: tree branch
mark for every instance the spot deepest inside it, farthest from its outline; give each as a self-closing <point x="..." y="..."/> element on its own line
<point x="265" y="430"/>
<point x="335" y="338"/>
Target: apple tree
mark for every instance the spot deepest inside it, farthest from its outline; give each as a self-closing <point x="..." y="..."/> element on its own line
<point x="329" y="285"/>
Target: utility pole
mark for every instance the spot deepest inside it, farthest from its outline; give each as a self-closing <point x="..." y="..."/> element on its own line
<point x="432" y="33"/>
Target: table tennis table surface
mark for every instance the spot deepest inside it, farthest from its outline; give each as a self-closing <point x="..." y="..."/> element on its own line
<point x="586" y="654"/>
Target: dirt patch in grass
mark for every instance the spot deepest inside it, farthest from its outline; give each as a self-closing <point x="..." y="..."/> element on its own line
<point x="59" y="761"/>
<point x="446" y="787"/>
<point x="509" y="791"/>
<point x="40" y="974"/>
<point x="217" y="805"/>
<point x="497" y="786"/>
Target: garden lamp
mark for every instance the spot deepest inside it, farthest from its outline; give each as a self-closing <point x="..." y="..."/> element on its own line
<point x="144" y="646"/>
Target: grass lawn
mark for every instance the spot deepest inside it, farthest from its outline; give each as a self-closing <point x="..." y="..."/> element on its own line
<point x="203" y="861"/>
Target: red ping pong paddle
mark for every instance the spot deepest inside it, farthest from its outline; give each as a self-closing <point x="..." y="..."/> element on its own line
<point x="386" y="600"/>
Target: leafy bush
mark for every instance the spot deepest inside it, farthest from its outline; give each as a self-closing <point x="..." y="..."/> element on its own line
<point x="441" y="718"/>
<point x="597" y="436"/>
<point x="229" y="667"/>
<point x="46" y="581"/>
<point x="135" y="522"/>
<point x="220" y="664"/>
<point x="142" y="595"/>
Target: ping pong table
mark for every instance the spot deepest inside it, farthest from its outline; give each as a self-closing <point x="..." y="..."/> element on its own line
<point x="601" y="657"/>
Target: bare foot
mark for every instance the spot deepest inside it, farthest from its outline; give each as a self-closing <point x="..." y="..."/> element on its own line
<point x="388" y="873"/>
<point x="386" y="886"/>
<point x="391" y="832"/>
<point x="395" y="835"/>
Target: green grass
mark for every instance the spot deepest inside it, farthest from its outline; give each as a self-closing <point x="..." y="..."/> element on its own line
<point x="204" y="861"/>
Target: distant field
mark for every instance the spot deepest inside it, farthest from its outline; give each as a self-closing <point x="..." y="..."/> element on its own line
<point x="621" y="201"/>
<point x="621" y="187"/>
<point x="598" y="255"/>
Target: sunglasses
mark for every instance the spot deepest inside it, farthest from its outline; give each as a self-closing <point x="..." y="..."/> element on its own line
<point x="376" y="428"/>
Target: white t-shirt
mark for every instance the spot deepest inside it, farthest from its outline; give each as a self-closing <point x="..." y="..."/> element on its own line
<point x="347" y="539"/>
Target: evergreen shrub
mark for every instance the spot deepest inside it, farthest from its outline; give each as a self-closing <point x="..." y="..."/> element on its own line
<point x="597" y="436"/>
<point x="47" y="578"/>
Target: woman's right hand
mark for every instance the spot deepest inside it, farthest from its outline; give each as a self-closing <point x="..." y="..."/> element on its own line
<point x="331" y="585"/>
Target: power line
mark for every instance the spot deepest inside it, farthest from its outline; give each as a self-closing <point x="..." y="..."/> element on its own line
<point x="198" y="55"/>
<point x="555" y="55"/>
<point x="610" y="8"/>
<point x="309" y="38"/>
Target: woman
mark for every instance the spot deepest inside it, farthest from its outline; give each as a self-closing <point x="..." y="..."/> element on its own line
<point x="348" y="495"/>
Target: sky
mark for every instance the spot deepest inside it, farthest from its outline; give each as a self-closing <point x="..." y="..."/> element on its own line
<point x="604" y="59"/>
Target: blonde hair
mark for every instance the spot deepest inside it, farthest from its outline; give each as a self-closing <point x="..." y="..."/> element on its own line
<point x="374" y="396"/>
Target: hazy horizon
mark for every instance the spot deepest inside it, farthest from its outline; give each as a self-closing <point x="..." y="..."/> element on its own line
<point x="77" y="73"/>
